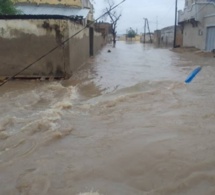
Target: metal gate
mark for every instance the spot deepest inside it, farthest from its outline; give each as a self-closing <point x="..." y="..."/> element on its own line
<point x="210" y="44"/>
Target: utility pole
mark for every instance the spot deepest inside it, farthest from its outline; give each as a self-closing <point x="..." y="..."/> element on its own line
<point x="175" y="29"/>
<point x="144" y="40"/>
<point x="149" y="31"/>
<point x="156" y="23"/>
<point x="145" y="26"/>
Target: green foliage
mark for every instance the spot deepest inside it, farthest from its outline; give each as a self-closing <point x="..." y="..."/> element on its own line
<point x="131" y="33"/>
<point x="7" y="8"/>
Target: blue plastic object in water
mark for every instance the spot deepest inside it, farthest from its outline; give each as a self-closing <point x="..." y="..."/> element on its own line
<point x="193" y="74"/>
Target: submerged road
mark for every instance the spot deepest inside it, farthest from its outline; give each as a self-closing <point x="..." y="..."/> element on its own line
<point x="124" y="124"/>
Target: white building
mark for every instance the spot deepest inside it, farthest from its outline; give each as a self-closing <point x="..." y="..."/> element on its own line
<point x="165" y="36"/>
<point x="198" y="24"/>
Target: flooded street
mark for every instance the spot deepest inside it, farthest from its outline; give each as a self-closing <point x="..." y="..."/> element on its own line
<point x="124" y="124"/>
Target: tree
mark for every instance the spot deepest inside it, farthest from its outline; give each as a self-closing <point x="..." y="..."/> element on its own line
<point x="7" y="8"/>
<point x="114" y="17"/>
<point x="131" y="33"/>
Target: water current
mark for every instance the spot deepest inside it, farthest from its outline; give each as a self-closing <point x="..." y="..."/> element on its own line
<point x="124" y="124"/>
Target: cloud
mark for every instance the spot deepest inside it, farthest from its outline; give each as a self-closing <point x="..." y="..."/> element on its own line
<point x="159" y="13"/>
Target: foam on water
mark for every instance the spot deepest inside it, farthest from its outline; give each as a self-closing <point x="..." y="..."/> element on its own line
<point x="90" y="193"/>
<point x="3" y="135"/>
<point x="158" y="89"/>
<point x="63" y="105"/>
<point x="36" y="109"/>
<point x="40" y="125"/>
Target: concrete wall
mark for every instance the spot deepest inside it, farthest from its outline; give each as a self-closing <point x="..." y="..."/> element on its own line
<point x="193" y="36"/>
<point x="99" y="42"/>
<point x="24" y="41"/>
<point x="197" y="36"/>
<point x="165" y="37"/>
<point x="78" y="46"/>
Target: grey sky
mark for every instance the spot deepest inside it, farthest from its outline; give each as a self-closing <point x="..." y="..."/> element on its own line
<point x="133" y="12"/>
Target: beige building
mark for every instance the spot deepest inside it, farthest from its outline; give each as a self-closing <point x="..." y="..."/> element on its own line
<point x="198" y="24"/>
<point x="125" y="38"/>
<point x="76" y="7"/>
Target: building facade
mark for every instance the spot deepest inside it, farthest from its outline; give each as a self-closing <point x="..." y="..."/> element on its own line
<point x="165" y="36"/>
<point x="197" y="21"/>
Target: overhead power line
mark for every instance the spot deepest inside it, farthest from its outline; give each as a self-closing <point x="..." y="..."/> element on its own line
<point x="62" y="43"/>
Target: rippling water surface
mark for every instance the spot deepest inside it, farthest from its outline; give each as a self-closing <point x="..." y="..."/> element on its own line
<point x="124" y="124"/>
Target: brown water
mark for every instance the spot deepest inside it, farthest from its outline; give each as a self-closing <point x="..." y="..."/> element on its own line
<point x="125" y="124"/>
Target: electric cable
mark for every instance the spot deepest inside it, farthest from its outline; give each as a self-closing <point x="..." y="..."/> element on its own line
<point x="59" y="45"/>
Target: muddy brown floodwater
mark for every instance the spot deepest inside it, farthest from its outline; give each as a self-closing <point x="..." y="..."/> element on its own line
<point x="125" y="124"/>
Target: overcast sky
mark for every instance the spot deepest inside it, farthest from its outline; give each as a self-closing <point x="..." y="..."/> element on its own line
<point x="133" y="12"/>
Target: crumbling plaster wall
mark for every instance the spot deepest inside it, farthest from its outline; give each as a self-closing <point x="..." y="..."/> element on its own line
<point x="22" y="42"/>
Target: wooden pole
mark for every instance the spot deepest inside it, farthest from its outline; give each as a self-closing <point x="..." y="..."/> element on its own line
<point x="144" y="40"/>
<point x="149" y="31"/>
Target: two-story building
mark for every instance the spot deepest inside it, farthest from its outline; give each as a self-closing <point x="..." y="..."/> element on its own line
<point x="198" y="24"/>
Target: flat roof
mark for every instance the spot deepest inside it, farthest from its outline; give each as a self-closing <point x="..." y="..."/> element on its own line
<point x="52" y="10"/>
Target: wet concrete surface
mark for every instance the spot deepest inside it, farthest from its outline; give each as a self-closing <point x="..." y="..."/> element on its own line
<point x="123" y="124"/>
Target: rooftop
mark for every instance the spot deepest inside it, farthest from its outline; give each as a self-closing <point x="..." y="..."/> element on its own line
<point x="76" y="3"/>
<point x="54" y="10"/>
